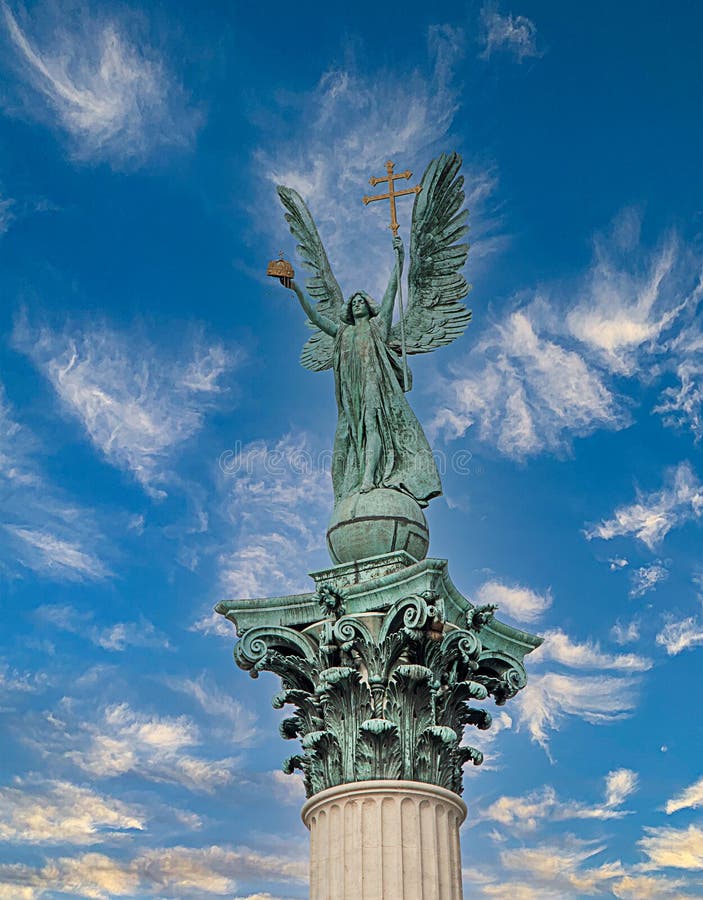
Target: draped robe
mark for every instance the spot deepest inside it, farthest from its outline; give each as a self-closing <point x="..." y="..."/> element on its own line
<point x="370" y="398"/>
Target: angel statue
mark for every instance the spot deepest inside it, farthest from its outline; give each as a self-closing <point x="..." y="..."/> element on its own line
<point x="379" y="442"/>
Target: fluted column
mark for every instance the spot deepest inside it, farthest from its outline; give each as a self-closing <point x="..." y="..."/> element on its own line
<point x="385" y="840"/>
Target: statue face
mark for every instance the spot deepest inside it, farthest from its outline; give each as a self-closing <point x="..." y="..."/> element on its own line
<point x="359" y="307"/>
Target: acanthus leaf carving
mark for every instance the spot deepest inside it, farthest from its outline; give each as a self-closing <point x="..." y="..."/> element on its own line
<point x="385" y="697"/>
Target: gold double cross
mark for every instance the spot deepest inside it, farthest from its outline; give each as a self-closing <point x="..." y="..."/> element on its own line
<point x="392" y="193"/>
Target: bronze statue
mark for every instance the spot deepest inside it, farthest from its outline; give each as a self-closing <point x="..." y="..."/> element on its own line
<point x="379" y="442"/>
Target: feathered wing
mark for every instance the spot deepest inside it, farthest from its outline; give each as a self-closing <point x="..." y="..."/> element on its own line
<point x="322" y="287"/>
<point x="435" y="315"/>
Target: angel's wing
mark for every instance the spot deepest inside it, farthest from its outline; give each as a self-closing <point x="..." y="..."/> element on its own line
<point x="434" y="315"/>
<point x="322" y="287"/>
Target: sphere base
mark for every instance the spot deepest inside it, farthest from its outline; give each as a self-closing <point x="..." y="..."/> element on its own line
<point x="378" y="522"/>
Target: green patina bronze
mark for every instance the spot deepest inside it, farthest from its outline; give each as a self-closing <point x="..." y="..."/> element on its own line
<point x="379" y="443"/>
<point x="380" y="663"/>
<point x="381" y="660"/>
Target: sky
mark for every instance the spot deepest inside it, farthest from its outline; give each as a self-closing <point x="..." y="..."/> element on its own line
<point x="161" y="449"/>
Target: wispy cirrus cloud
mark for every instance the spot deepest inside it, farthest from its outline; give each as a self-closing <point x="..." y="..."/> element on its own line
<point x="646" y="578"/>
<point x="551" y="697"/>
<point x="235" y="721"/>
<point x="157" y="748"/>
<point x="684" y="634"/>
<point x="343" y="132"/>
<point x="690" y="798"/>
<point x="44" y="532"/>
<point x="675" y="848"/>
<point x="519" y="602"/>
<point x="6" y="213"/>
<point x="526" y="813"/>
<point x="163" y="871"/>
<point x="525" y="392"/>
<point x="137" y="406"/>
<point x="516" y="35"/>
<point x="54" y="556"/>
<point x="559" y="647"/>
<point x="551" y="369"/>
<point x="276" y="498"/>
<point x="625" y="633"/>
<point x="681" y="404"/>
<point x="629" y="297"/>
<point x="117" y="636"/>
<point x="653" y="515"/>
<point x="598" y="698"/>
<point x="99" y="82"/>
<point x="59" y="812"/>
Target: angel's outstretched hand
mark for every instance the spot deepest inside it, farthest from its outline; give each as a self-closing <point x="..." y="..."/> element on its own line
<point x="286" y="282"/>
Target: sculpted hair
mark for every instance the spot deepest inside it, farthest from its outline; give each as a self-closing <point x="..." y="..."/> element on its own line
<point x="347" y="315"/>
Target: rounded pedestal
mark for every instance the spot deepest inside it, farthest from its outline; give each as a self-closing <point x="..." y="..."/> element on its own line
<point x="385" y="840"/>
<point x="378" y="522"/>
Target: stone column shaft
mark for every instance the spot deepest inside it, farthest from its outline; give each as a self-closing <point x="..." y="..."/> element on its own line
<point x="385" y="840"/>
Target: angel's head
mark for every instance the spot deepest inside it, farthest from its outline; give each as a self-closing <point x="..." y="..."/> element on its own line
<point x="358" y="306"/>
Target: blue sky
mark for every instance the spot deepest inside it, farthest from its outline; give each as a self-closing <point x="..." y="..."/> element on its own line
<point x="161" y="448"/>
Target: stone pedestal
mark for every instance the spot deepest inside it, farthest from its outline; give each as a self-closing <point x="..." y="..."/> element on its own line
<point x="385" y="840"/>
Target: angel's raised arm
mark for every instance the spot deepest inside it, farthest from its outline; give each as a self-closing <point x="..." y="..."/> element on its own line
<point x="318" y="319"/>
<point x="389" y="297"/>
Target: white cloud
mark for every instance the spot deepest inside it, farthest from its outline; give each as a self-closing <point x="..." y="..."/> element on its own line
<point x="646" y="578"/>
<point x="525" y="392"/>
<point x="276" y="500"/>
<point x="559" y="647"/>
<point x="6" y="214"/>
<point x="288" y="789"/>
<point x="214" y="624"/>
<point x="343" y="132"/>
<point x="44" y="552"/>
<point x="241" y="722"/>
<point x="100" y="84"/>
<point x="43" y="531"/>
<point x="516" y="35"/>
<point x="682" y="404"/>
<point x="136" y="403"/>
<point x="153" y="747"/>
<point x="673" y="848"/>
<point x="649" y="887"/>
<point x="550" y="697"/>
<point x="22" y="682"/>
<point x="525" y="813"/>
<point x="118" y="636"/>
<point x="520" y="603"/>
<point x="681" y="635"/>
<point x="629" y="299"/>
<point x="263" y="564"/>
<point x="162" y="872"/>
<point x="690" y="798"/>
<point x="617" y="563"/>
<point x="548" y="371"/>
<point x="652" y="516"/>
<point x="625" y="634"/>
<point x="58" y="812"/>
<point x="619" y="785"/>
<point x="598" y="699"/>
<point x="559" y="868"/>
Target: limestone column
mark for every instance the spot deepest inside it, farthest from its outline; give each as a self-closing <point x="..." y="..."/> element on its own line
<point x="385" y="840"/>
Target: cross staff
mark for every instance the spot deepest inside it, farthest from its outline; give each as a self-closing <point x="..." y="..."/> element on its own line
<point x="391" y="195"/>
